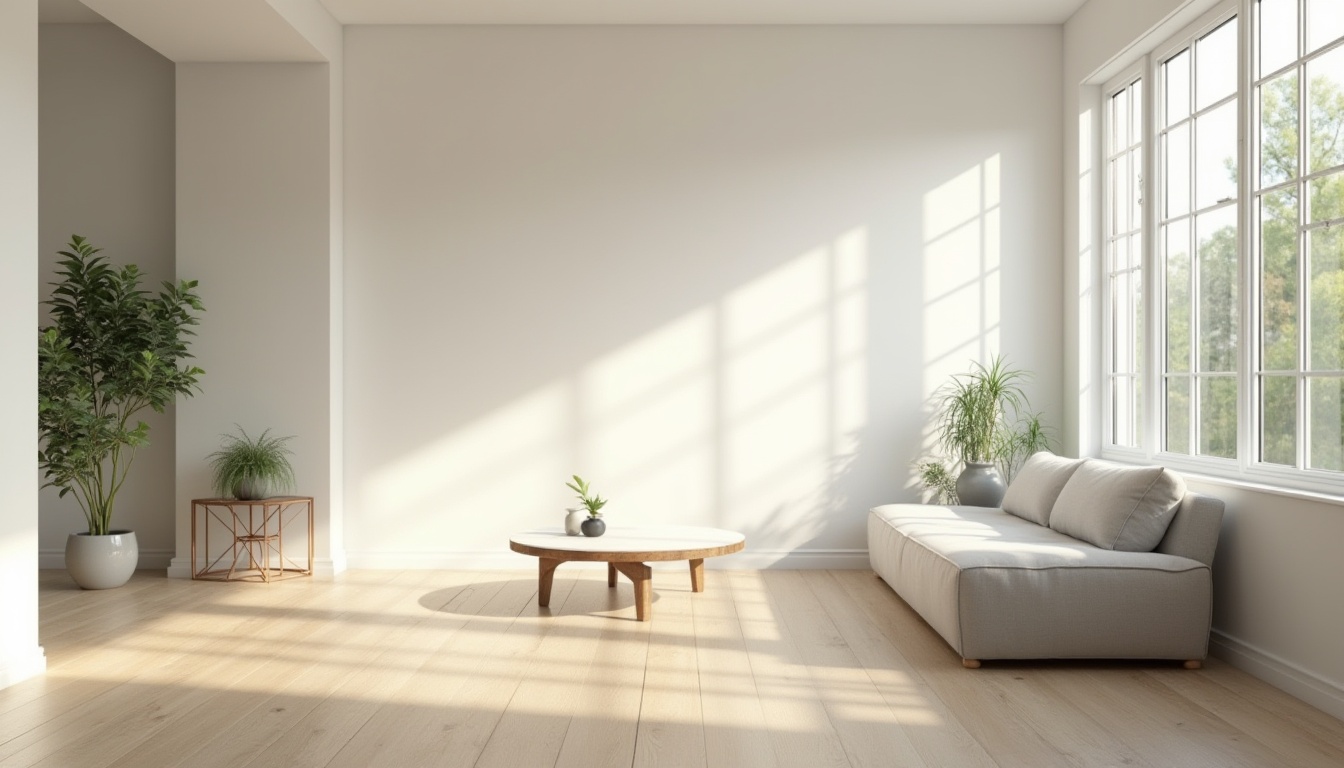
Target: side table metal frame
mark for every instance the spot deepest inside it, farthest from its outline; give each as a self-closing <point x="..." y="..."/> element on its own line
<point x="256" y="535"/>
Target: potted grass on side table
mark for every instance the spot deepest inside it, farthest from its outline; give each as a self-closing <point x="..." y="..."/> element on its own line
<point x="248" y="469"/>
<point x="111" y="350"/>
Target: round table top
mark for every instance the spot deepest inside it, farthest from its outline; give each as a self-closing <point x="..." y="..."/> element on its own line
<point x="629" y="543"/>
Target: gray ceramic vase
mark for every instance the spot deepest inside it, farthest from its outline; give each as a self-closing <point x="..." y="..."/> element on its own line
<point x="594" y="526"/>
<point x="980" y="485"/>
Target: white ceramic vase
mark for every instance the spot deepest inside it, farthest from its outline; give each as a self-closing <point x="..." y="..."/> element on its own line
<point x="101" y="562"/>
<point x="574" y="521"/>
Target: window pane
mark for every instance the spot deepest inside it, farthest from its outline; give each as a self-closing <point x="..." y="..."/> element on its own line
<point x="1327" y="197"/>
<point x="1327" y="299"/>
<point x="1217" y="232"/>
<point x="1176" y="239"/>
<point x="1176" y="170"/>
<point x="1176" y="77"/>
<point x="1119" y="197"/>
<point x="1216" y="65"/>
<point x="1136" y="188"/>
<point x="1120" y="119"/>
<point x="1136" y="111"/>
<point x="1122" y="351"/>
<point x="1124" y="412"/>
<point x="1278" y="129"/>
<point x="1325" y="22"/>
<point x="1178" y="414"/>
<point x="1135" y="251"/>
<point x="1218" y="417"/>
<point x="1278" y="420"/>
<point x="1325" y="110"/>
<point x="1216" y="156"/>
<point x="1327" y="429"/>
<point x="1278" y="280"/>
<point x="1278" y="34"/>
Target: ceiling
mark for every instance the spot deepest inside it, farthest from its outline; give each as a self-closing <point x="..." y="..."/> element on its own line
<point x="662" y="11"/>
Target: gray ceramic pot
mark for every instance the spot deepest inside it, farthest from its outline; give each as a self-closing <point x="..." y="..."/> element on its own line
<point x="980" y="485"/>
<point x="594" y="526"/>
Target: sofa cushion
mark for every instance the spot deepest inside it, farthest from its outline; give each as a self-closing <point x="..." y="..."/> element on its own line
<point x="1036" y="486"/>
<point x="1118" y="507"/>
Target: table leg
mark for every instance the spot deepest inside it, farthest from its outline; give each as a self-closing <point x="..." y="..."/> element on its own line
<point x="545" y="575"/>
<point x="698" y="575"/>
<point x="642" y="576"/>
<point x="611" y="574"/>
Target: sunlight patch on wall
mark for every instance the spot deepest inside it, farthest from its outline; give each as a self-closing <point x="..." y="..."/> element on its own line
<point x="645" y="417"/>
<point x="961" y="272"/>
<point x="742" y="413"/>
<point x="509" y="462"/>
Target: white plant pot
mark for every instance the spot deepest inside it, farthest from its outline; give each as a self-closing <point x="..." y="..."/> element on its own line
<point x="101" y="562"/>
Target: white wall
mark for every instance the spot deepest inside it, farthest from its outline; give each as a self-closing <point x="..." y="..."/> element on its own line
<point x="254" y="176"/>
<point x="717" y="271"/>
<point x="20" y="655"/>
<point x="1277" y="610"/>
<point x="107" y="174"/>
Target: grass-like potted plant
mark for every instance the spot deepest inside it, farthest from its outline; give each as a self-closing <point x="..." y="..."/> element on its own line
<point x="252" y="469"/>
<point x="111" y="351"/>
<point x="594" y="525"/>
<point x="983" y="421"/>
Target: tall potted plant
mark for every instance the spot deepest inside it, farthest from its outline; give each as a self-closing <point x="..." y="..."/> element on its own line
<point x="111" y="351"/>
<point x="983" y="421"/>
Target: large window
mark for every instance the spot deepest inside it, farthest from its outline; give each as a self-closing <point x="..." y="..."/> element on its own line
<point x="1298" y="66"/>
<point x="1238" y="253"/>
<point x="1197" y="241"/>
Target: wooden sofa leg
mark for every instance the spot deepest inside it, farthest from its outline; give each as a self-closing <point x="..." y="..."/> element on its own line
<point x="1193" y="664"/>
<point x="970" y="663"/>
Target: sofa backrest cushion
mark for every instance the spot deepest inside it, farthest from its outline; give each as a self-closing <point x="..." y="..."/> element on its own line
<point x="1036" y="486"/>
<point x="1118" y="507"/>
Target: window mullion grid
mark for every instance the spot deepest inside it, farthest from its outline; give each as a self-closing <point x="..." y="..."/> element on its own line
<point x="1303" y="251"/>
<point x="1248" y="163"/>
<point x="1154" y="295"/>
<point x="1193" y="431"/>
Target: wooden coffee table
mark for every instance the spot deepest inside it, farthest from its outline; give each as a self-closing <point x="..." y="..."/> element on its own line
<point x="627" y="549"/>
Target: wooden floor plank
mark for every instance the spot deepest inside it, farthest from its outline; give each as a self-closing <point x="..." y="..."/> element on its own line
<point x="671" y="731"/>
<point x="737" y="735"/>
<point x="933" y="730"/>
<point x="801" y="730"/>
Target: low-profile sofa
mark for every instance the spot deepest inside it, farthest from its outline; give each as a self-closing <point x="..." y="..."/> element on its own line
<point x="1085" y="559"/>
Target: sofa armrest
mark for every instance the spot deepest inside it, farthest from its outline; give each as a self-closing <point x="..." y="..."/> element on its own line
<point x="1193" y="533"/>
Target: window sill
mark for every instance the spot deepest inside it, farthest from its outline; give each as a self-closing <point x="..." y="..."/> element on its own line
<point x="1224" y="481"/>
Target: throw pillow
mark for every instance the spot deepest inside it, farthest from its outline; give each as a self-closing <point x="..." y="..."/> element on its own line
<point x="1036" y="486"/>
<point x="1118" y="507"/>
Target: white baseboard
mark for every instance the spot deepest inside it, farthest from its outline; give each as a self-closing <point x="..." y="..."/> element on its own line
<point x="797" y="559"/>
<point x="150" y="559"/>
<point x="1325" y="695"/>
<point x="19" y="667"/>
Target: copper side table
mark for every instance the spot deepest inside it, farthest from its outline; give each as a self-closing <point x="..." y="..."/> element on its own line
<point x="254" y="530"/>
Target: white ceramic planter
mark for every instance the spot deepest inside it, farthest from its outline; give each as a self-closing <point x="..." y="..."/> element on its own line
<point x="574" y="521"/>
<point x="101" y="562"/>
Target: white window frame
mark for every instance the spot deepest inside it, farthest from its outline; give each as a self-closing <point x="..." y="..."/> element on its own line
<point x="1121" y="82"/>
<point x="1247" y="466"/>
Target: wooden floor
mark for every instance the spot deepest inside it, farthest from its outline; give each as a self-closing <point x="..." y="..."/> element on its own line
<point x="426" y="668"/>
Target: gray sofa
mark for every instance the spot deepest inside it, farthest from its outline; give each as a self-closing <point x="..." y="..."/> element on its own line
<point x="1086" y="559"/>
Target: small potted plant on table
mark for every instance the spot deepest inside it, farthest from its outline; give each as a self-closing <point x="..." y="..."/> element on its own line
<point x="248" y="469"/>
<point x="594" y="525"/>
